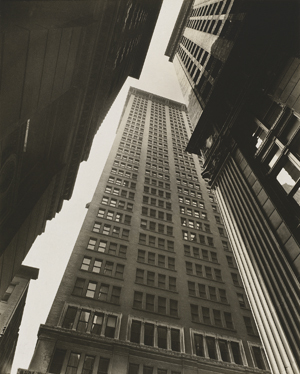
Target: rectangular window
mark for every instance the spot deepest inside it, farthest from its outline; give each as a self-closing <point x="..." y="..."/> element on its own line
<point x="91" y="289"/>
<point x="103" y="366"/>
<point x="97" y="323"/>
<point x="91" y="244"/>
<point x="172" y="284"/>
<point x="115" y="295"/>
<point x="162" y="305"/>
<point x="57" y="361"/>
<point x="97" y="266"/>
<point x="162" y="337"/>
<point x="103" y="292"/>
<point x="150" y="302"/>
<point x="149" y="334"/>
<point x="206" y="316"/>
<point x="73" y="363"/>
<point x="199" y="345"/>
<point x="83" y="321"/>
<point x="135" y="331"/>
<point x="211" y="347"/>
<point x="236" y="352"/>
<point x="69" y="319"/>
<point x="138" y="300"/>
<point x="228" y="320"/>
<point x="110" y="326"/>
<point x="88" y="364"/>
<point x="171" y="263"/>
<point x="194" y="313"/>
<point x="78" y="287"/>
<point x="175" y="340"/>
<point x="173" y="308"/>
<point x="85" y="263"/>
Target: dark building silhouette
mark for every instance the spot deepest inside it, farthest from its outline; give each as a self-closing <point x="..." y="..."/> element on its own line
<point x="238" y="63"/>
<point x="62" y="65"/>
<point x="11" y="312"/>
<point x="151" y="286"/>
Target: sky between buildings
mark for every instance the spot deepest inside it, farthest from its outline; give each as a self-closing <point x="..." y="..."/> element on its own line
<point x="51" y="251"/>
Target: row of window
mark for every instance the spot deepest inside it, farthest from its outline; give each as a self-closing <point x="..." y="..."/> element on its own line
<point x="96" y="322"/>
<point x="192" y="202"/>
<point x="188" y="183"/>
<point x="106" y="229"/>
<point x="97" y="290"/>
<point x="157" y="175"/>
<point x="215" y="317"/>
<point x="155" y="304"/>
<point x="156" y="213"/>
<point x="124" y="173"/>
<point x="192" y="212"/>
<point x="157" y="183"/>
<point x="152" y="279"/>
<point x="114" y="216"/>
<point x="125" y="165"/>
<point x="157" y="160"/>
<point x="116" y="203"/>
<point x="119" y="192"/>
<point x="111" y="248"/>
<point x="157" y="202"/>
<point x="193" y="237"/>
<point x="210" y="26"/>
<point x="69" y="363"/>
<point x="203" y="271"/>
<point x="207" y="292"/>
<point x="146" y="369"/>
<point x="155" y="191"/>
<point x="122" y="182"/>
<point x="156" y="335"/>
<point x="159" y="243"/>
<point x="194" y="224"/>
<point x="156" y="259"/>
<point x="163" y="153"/>
<point x="181" y="174"/>
<point x="100" y="266"/>
<point x="158" y="227"/>
<point x="214" y="8"/>
<point x="133" y="152"/>
<point x="187" y="191"/>
<point x="157" y="167"/>
<point x="127" y="158"/>
<point x="200" y="253"/>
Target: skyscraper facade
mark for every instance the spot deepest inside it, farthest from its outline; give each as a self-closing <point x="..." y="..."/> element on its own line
<point x="238" y="62"/>
<point x="151" y="286"/>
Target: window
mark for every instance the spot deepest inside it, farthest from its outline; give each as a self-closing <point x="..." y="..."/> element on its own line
<point x="135" y="331"/>
<point x="91" y="289"/>
<point x="228" y="320"/>
<point x="83" y="321"/>
<point x="249" y="326"/>
<point x="241" y="300"/>
<point x="92" y="243"/>
<point x="57" y="361"/>
<point x="73" y="363"/>
<point x="96" y="227"/>
<point x="149" y="334"/>
<point x="103" y="365"/>
<point x="259" y="357"/>
<point x="150" y="302"/>
<point x="138" y="299"/>
<point x="78" y="287"/>
<point x="173" y="308"/>
<point x="102" y="246"/>
<point x="97" y="323"/>
<point x="162" y="308"/>
<point x="69" y="318"/>
<point x="110" y="326"/>
<point x="103" y="292"/>
<point x="97" y="266"/>
<point x="115" y="295"/>
<point x="88" y="364"/>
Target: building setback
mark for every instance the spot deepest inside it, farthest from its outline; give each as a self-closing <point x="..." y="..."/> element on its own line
<point x="62" y="65"/>
<point x="239" y="67"/>
<point x="151" y="286"/>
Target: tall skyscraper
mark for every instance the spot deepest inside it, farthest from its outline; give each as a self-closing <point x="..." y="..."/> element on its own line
<point x="151" y="286"/>
<point x="62" y="65"/>
<point x="238" y="62"/>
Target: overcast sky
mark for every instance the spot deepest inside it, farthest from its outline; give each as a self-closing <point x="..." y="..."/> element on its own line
<point x="51" y="251"/>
